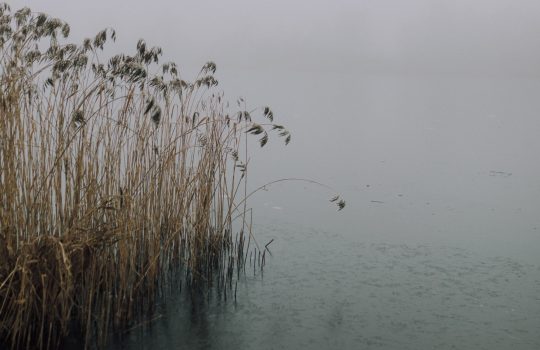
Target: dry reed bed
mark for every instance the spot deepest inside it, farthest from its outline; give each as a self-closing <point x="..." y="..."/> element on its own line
<point x="113" y="174"/>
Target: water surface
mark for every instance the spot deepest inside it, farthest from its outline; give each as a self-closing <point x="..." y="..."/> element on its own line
<point x="323" y="291"/>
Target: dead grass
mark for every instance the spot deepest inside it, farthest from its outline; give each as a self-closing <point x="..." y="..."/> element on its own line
<point x="113" y="174"/>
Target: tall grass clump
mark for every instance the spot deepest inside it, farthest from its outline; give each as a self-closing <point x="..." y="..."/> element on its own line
<point x="115" y="174"/>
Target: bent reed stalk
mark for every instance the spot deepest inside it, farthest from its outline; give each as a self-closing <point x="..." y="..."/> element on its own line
<point x="113" y="175"/>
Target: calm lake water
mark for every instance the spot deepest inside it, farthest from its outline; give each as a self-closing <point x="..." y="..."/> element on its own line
<point x="324" y="291"/>
<point x="437" y="247"/>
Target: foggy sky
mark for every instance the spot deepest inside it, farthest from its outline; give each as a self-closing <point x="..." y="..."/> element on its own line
<point x="421" y="98"/>
<point x="481" y="37"/>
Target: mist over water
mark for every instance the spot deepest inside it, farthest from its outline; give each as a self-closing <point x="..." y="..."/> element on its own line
<point x="428" y="159"/>
<point x="422" y="114"/>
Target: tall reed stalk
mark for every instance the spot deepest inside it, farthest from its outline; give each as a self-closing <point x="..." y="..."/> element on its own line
<point x="114" y="173"/>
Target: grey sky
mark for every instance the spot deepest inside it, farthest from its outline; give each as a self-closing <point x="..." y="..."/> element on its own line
<point x="485" y="37"/>
<point x="422" y="98"/>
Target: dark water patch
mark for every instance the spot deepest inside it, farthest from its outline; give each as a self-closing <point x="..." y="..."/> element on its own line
<point x="499" y="173"/>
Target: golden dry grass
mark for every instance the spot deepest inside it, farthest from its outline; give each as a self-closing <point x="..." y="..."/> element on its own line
<point x="113" y="174"/>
